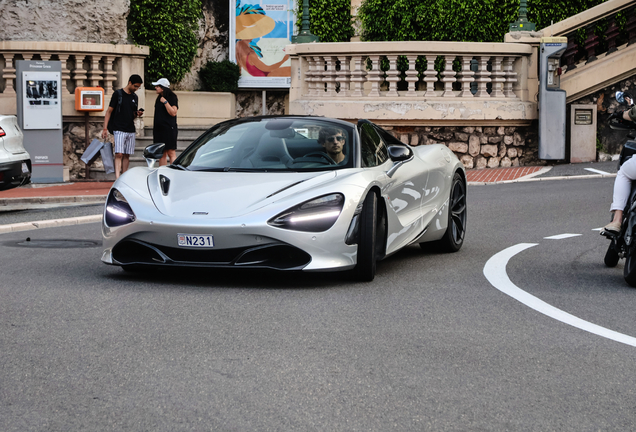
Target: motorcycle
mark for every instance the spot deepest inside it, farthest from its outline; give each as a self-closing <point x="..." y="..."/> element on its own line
<point x="623" y="244"/>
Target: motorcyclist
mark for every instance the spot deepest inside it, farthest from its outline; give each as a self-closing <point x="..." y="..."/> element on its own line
<point x="624" y="177"/>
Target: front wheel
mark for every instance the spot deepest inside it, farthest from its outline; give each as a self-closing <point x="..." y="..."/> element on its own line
<point x="367" y="259"/>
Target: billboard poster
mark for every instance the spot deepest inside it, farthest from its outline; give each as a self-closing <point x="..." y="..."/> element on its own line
<point x="41" y="100"/>
<point x="259" y="32"/>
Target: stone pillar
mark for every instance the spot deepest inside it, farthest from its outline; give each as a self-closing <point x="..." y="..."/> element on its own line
<point x="467" y="76"/>
<point x="343" y="76"/>
<point x="411" y="75"/>
<point x="511" y="77"/>
<point x="393" y="76"/>
<point x="448" y="77"/>
<point x="110" y="75"/>
<point x="375" y="76"/>
<point x="358" y="76"/>
<point x="8" y="73"/>
<point x="483" y="77"/>
<point x="430" y="76"/>
<point x="498" y="77"/>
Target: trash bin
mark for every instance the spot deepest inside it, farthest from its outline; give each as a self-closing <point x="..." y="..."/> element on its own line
<point x="582" y="133"/>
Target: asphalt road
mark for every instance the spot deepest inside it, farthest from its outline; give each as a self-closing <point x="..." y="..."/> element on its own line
<point x="430" y="344"/>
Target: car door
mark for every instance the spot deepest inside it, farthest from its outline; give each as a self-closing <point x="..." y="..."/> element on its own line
<point x="402" y="191"/>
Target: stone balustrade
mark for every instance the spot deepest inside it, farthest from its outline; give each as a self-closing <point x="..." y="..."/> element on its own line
<point x="467" y="83"/>
<point x="83" y="65"/>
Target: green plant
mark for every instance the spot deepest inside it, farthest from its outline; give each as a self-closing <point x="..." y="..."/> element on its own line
<point x="457" y="20"/>
<point x="330" y="20"/>
<point x="220" y="76"/>
<point x="169" y="28"/>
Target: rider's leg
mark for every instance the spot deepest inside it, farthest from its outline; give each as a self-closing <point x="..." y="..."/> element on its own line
<point x="622" y="187"/>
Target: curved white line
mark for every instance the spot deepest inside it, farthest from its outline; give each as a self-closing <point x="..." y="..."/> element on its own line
<point x="495" y="272"/>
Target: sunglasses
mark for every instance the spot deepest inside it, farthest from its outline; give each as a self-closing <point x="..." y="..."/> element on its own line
<point x="336" y="138"/>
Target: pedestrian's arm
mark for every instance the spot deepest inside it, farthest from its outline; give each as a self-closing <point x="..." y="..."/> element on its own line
<point x="106" y="120"/>
<point x="171" y="109"/>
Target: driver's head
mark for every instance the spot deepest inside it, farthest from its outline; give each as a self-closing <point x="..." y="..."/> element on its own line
<point x="333" y="140"/>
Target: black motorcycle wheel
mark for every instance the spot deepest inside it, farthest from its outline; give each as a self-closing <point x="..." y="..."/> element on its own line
<point x="629" y="272"/>
<point x="611" y="256"/>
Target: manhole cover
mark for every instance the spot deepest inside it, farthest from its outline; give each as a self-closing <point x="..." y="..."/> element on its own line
<point x="56" y="244"/>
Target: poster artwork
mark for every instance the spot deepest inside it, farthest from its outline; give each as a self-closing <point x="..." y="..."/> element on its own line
<point x="260" y="31"/>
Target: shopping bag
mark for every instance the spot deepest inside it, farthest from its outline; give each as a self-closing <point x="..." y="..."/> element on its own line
<point x="91" y="150"/>
<point x="107" y="158"/>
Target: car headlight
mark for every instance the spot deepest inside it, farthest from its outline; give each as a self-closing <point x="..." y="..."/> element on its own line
<point x="316" y="215"/>
<point x="118" y="211"/>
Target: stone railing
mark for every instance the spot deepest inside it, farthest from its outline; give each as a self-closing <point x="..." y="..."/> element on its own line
<point x="466" y="83"/>
<point x="602" y="33"/>
<point x="83" y="64"/>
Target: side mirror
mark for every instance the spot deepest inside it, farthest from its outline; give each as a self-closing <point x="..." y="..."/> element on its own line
<point x="153" y="153"/>
<point x="400" y="153"/>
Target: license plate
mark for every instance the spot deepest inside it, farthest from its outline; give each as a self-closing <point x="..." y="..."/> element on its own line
<point x="195" y="240"/>
<point x="25" y="168"/>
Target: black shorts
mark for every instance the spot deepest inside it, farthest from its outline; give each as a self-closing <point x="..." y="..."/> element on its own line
<point x="166" y="135"/>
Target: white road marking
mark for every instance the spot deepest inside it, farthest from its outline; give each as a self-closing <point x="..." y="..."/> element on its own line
<point x="597" y="229"/>
<point x="561" y="236"/>
<point x="495" y="272"/>
<point x="597" y="171"/>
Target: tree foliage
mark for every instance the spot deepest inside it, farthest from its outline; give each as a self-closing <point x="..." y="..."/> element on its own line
<point x="169" y="28"/>
<point x="457" y="20"/>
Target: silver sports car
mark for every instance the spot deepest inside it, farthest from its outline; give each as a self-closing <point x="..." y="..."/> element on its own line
<point x="286" y="193"/>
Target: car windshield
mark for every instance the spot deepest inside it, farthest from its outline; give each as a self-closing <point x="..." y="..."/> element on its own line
<point x="272" y="144"/>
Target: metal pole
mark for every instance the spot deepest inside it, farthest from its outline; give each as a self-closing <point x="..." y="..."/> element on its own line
<point x="305" y="35"/>
<point x="264" y="102"/>
<point x="522" y="24"/>
<point x="88" y="168"/>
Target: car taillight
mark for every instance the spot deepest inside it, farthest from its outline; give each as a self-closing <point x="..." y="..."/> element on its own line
<point x="2" y="132"/>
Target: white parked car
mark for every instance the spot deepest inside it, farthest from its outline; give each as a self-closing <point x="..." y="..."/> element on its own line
<point x="15" y="162"/>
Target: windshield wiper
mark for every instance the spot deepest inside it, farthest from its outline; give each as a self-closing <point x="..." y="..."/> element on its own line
<point x="179" y="167"/>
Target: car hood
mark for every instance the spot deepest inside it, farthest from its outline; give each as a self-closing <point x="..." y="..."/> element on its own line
<point x="225" y="194"/>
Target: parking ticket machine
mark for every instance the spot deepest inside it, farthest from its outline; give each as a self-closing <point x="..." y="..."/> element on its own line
<point x="551" y="99"/>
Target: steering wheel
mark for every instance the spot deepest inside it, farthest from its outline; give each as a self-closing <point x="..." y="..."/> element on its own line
<point x="322" y="155"/>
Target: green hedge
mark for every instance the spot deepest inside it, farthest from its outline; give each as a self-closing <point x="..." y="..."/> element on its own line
<point x="169" y="28"/>
<point x="220" y="76"/>
<point x="330" y="20"/>
<point x="457" y="20"/>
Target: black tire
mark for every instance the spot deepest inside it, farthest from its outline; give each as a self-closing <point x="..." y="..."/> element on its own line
<point x="629" y="272"/>
<point x="367" y="258"/>
<point x="611" y="256"/>
<point x="454" y="236"/>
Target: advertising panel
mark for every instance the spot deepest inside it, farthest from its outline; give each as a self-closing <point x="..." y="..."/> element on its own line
<point x="41" y="100"/>
<point x="259" y="32"/>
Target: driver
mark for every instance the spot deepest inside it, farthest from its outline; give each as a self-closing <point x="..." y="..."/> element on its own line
<point x="624" y="178"/>
<point x="333" y="141"/>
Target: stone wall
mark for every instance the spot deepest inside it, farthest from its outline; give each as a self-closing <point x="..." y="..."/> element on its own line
<point x="608" y="140"/>
<point x="64" y="20"/>
<point x="476" y="146"/>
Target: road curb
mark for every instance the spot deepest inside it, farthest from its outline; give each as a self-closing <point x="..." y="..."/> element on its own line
<point x="51" y="223"/>
<point x="88" y="199"/>
<point x="537" y="179"/>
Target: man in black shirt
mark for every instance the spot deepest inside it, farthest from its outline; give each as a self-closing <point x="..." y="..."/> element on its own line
<point x="119" y="120"/>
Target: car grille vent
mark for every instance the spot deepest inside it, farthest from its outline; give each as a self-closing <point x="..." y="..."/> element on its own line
<point x="278" y="256"/>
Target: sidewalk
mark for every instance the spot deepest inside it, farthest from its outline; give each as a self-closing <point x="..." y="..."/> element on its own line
<point x="35" y="196"/>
